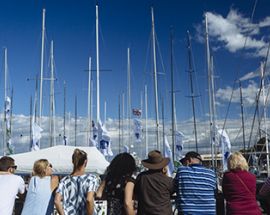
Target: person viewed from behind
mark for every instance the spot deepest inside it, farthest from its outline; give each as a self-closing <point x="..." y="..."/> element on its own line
<point x="153" y="188"/>
<point x="75" y="194"/>
<point x="40" y="194"/>
<point x="195" y="187"/>
<point x="10" y="185"/>
<point x="118" y="185"/>
<point x="239" y="187"/>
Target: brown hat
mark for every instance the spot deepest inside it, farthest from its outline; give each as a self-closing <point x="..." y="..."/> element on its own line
<point x="155" y="160"/>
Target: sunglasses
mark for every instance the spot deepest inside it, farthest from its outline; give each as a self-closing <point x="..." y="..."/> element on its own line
<point x="14" y="167"/>
<point x="50" y="165"/>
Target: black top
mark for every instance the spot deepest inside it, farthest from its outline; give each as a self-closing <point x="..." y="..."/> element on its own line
<point x="153" y="191"/>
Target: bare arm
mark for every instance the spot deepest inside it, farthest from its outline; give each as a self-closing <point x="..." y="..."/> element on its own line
<point x="54" y="182"/>
<point x="90" y="203"/>
<point x="128" y="201"/>
<point x="58" y="204"/>
<point x="100" y="190"/>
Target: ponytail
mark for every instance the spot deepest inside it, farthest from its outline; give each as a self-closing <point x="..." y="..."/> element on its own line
<point x="78" y="159"/>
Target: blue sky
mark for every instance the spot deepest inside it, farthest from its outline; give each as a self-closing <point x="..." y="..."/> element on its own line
<point x="71" y="24"/>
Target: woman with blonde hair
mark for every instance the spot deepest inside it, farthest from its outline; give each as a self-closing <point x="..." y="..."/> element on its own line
<point x="40" y="194"/>
<point x="75" y="194"/>
<point x="239" y="187"/>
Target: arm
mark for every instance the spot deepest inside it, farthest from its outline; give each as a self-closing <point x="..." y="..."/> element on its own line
<point x="265" y="188"/>
<point x="100" y="189"/>
<point x="58" y="204"/>
<point x="90" y="203"/>
<point x="54" y="182"/>
<point x="128" y="201"/>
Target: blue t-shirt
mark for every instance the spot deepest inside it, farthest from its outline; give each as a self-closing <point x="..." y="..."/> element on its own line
<point x="195" y="190"/>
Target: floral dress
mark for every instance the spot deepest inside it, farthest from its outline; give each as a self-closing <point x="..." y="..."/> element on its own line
<point x="115" y="192"/>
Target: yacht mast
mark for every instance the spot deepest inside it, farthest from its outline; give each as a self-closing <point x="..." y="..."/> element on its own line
<point x="97" y="56"/>
<point x="265" y="116"/>
<point x="155" y="77"/>
<point x="52" y="101"/>
<point x="89" y="123"/>
<point x="5" y="148"/>
<point x="146" y="119"/>
<point x="210" y="92"/>
<point x="64" y="137"/>
<point x="129" y="96"/>
<point x="190" y="70"/>
<point x="172" y="99"/>
<point x="242" y="115"/>
<point x="41" y="65"/>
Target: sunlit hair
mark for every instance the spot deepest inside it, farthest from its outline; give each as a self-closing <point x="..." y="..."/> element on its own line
<point x="40" y="167"/>
<point x="123" y="164"/>
<point x="78" y="159"/>
<point x="5" y="163"/>
<point x="237" y="161"/>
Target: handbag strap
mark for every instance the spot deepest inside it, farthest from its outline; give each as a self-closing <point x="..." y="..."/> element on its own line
<point x="244" y="185"/>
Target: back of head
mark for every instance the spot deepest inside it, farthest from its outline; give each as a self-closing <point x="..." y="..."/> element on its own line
<point x="78" y="159"/>
<point x="123" y="164"/>
<point x="39" y="168"/>
<point x="237" y="161"/>
<point x="5" y="163"/>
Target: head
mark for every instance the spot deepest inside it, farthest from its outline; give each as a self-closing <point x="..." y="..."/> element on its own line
<point x="7" y="164"/>
<point x="192" y="158"/>
<point x="155" y="161"/>
<point x="79" y="159"/>
<point x="42" y="168"/>
<point x="237" y="161"/>
<point x="123" y="164"/>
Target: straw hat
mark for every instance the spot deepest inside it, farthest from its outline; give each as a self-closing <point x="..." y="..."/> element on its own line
<point x="155" y="160"/>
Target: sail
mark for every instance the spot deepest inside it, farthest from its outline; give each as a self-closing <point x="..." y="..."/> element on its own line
<point x="10" y="147"/>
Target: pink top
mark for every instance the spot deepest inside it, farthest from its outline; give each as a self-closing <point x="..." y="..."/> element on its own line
<point x="239" y="189"/>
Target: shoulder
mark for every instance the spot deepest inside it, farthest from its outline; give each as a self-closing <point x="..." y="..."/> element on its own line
<point x="17" y="178"/>
<point x="55" y="179"/>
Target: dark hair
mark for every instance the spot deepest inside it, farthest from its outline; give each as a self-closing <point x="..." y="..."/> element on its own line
<point x="78" y="159"/>
<point x="6" y="162"/>
<point x="123" y="164"/>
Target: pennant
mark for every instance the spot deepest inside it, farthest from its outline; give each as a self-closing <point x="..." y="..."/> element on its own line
<point x="168" y="154"/>
<point x="137" y="112"/>
<point x="65" y="140"/>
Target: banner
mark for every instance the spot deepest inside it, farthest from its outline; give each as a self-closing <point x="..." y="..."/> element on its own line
<point x="168" y="154"/>
<point x="104" y="140"/>
<point x="225" y="144"/>
<point x="138" y="130"/>
<point x="10" y="147"/>
<point x="36" y="135"/>
<point x="179" y="146"/>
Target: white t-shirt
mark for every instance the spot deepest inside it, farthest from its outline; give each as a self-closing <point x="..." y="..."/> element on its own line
<point x="10" y="186"/>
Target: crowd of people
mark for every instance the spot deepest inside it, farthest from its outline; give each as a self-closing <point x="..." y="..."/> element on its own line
<point x="128" y="192"/>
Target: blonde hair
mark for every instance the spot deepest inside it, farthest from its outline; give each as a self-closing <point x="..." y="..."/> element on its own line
<point x="39" y="168"/>
<point x="237" y="161"/>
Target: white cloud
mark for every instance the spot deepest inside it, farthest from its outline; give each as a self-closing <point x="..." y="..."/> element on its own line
<point x="233" y="31"/>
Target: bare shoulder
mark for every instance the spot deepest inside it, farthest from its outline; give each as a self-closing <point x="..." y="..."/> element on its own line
<point x="55" y="178"/>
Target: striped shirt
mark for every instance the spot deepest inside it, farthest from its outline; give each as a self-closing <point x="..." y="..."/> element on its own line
<point x="195" y="190"/>
<point x="74" y="189"/>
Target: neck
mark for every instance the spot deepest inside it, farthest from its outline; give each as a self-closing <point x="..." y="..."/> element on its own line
<point x="79" y="172"/>
<point x="5" y="172"/>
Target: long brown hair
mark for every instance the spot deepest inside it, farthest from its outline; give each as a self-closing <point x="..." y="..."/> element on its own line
<point x="78" y="159"/>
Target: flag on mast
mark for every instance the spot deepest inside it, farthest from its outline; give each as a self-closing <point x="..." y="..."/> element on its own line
<point x="36" y="135"/>
<point x="105" y="140"/>
<point x="138" y="130"/>
<point x="168" y="154"/>
<point x="9" y="144"/>
<point x="225" y="144"/>
<point x="179" y="144"/>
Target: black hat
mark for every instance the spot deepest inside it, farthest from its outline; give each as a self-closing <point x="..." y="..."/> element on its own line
<point x="155" y="160"/>
<point x="192" y="155"/>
